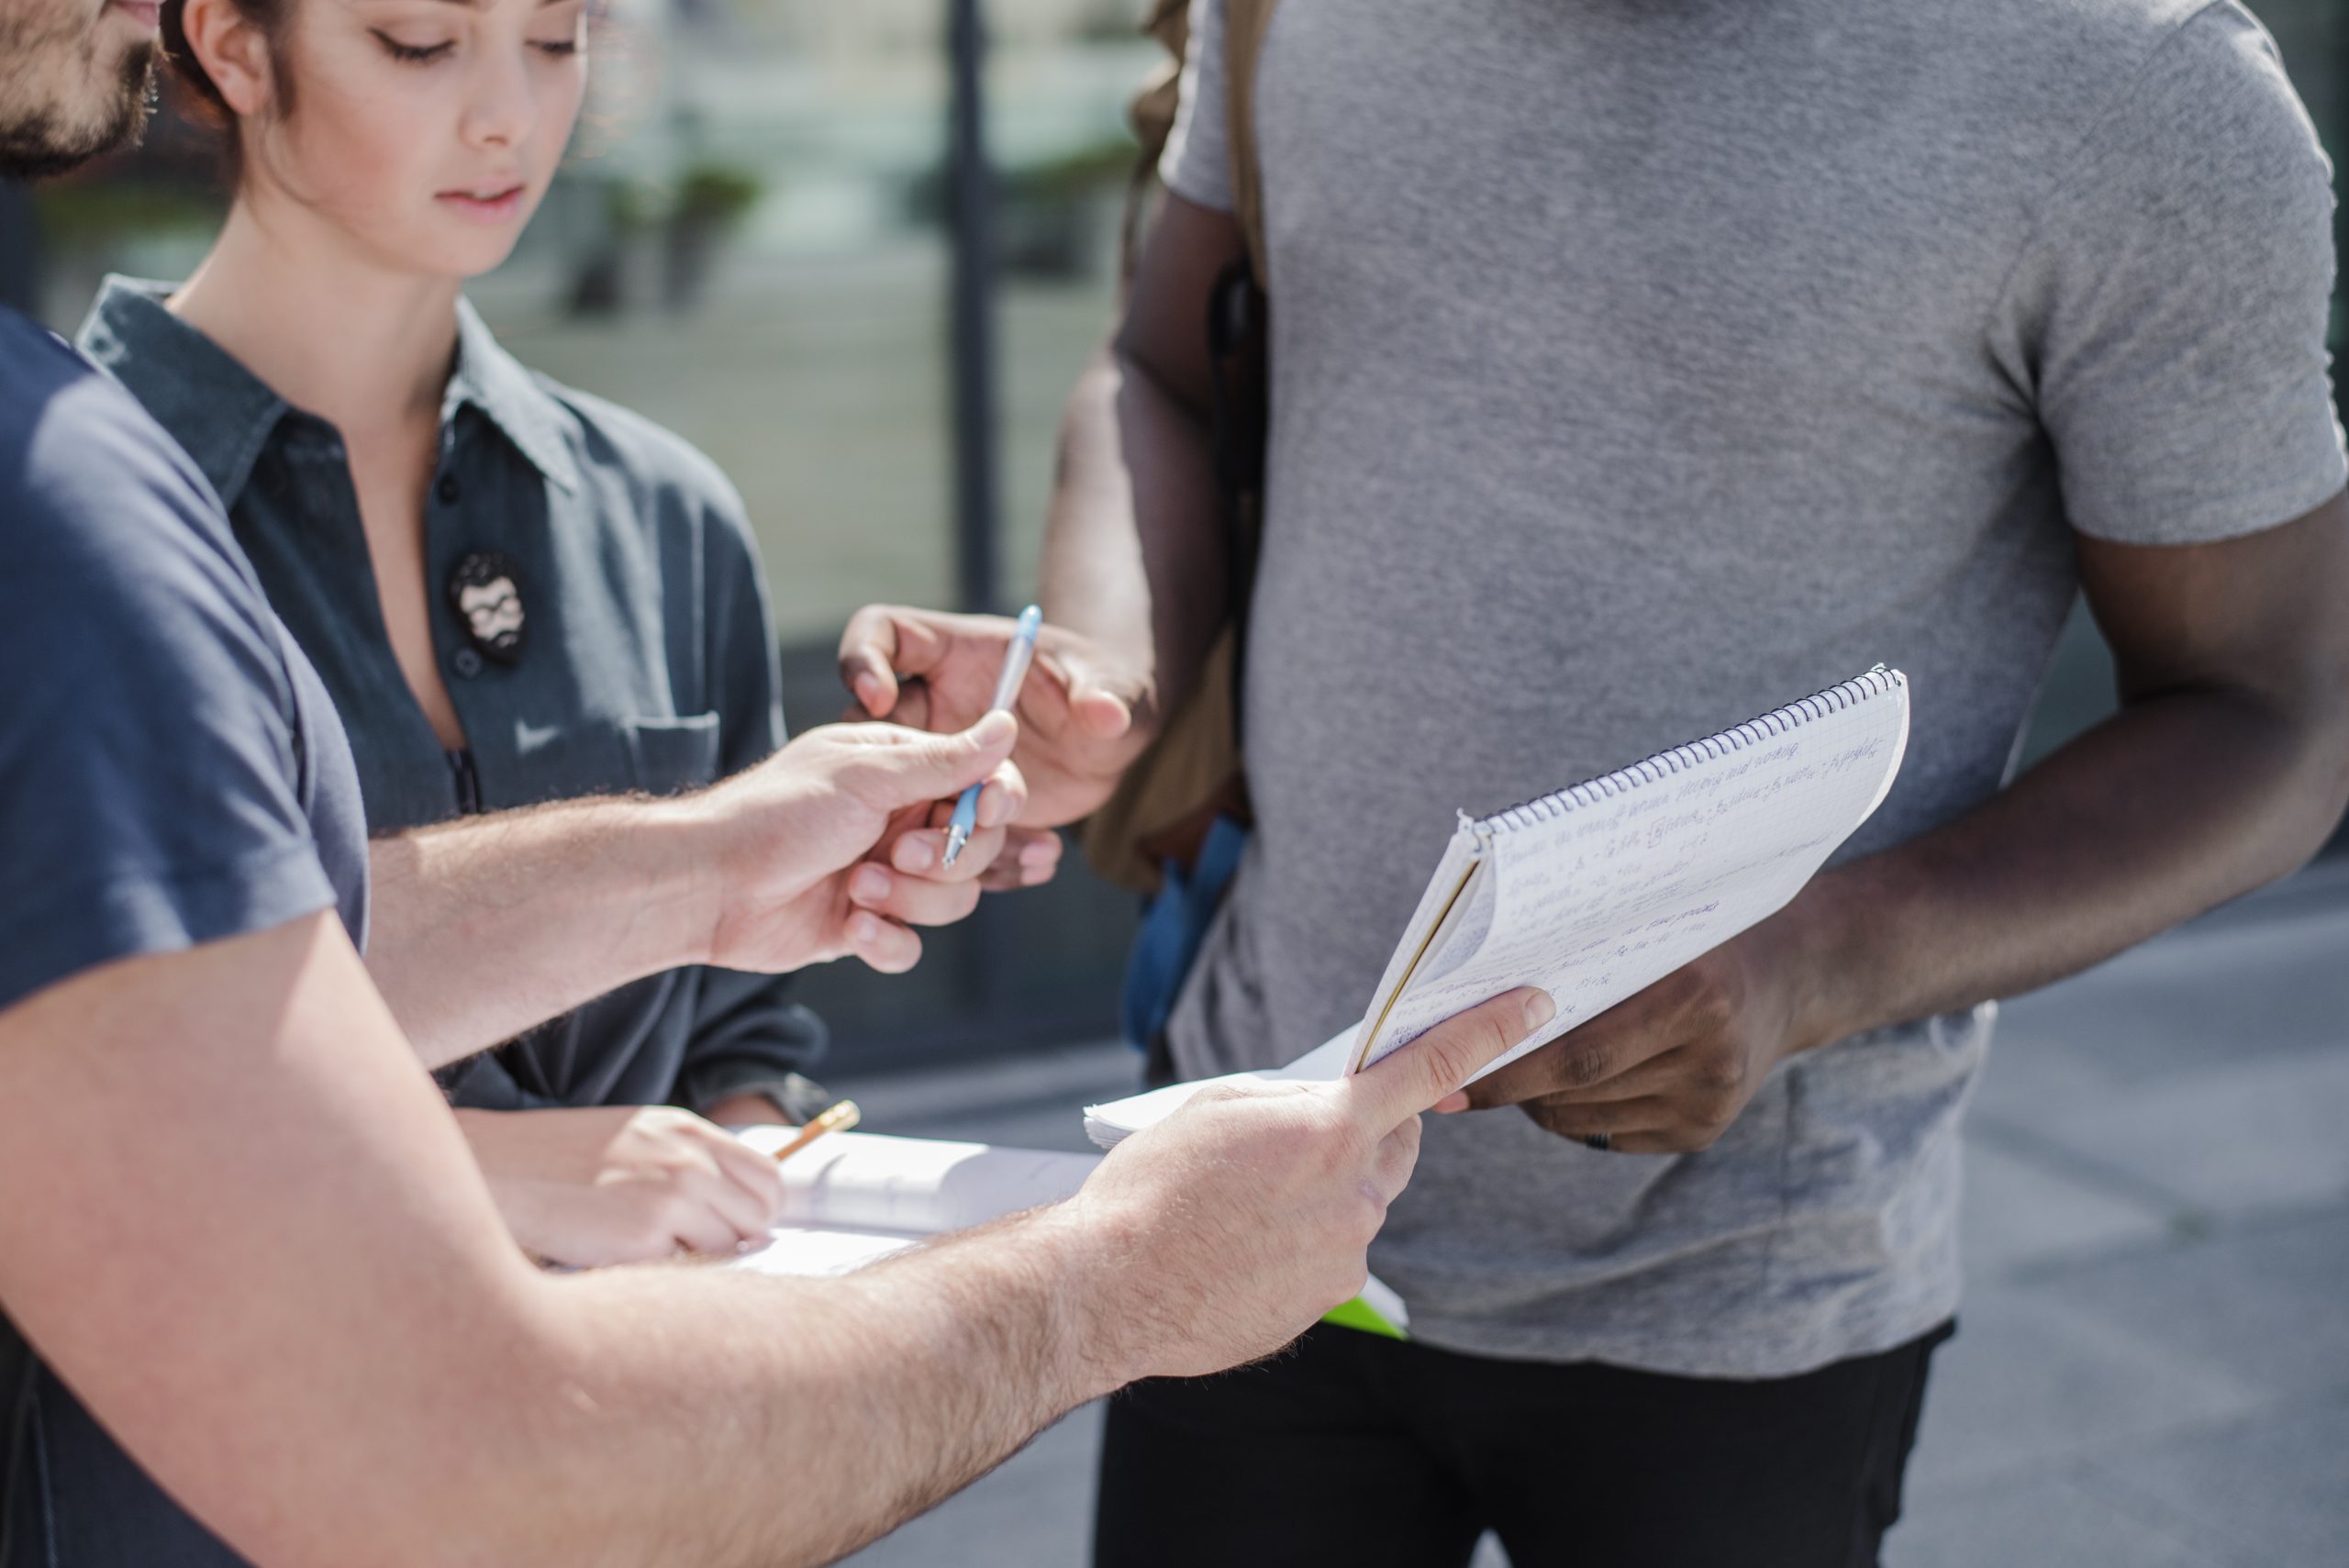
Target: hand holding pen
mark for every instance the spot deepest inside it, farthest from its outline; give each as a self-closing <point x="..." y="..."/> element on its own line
<point x="1015" y="660"/>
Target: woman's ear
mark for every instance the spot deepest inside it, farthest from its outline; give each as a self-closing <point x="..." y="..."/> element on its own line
<point x="233" y="52"/>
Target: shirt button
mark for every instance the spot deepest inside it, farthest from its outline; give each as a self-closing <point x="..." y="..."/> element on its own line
<point x="466" y="663"/>
<point x="448" y="490"/>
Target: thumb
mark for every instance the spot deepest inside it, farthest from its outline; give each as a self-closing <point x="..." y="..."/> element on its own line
<point x="1428" y="1070"/>
<point x="931" y="767"/>
<point x="1098" y="709"/>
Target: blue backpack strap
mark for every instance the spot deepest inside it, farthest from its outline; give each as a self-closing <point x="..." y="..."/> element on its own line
<point x="1174" y="925"/>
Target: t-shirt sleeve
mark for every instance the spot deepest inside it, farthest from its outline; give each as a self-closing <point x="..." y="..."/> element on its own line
<point x="148" y="766"/>
<point x="1197" y="164"/>
<point x="2170" y="315"/>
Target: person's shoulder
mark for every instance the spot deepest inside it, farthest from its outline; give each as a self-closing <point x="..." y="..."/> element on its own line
<point x="125" y="592"/>
<point x="96" y="501"/>
<point x="2106" y="71"/>
<point x="2194" y="118"/>
<point x="610" y="440"/>
<point x="670" y="482"/>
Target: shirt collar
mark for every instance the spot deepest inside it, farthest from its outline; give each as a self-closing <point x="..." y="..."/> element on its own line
<point x="489" y="379"/>
<point x="224" y="414"/>
<point x="217" y="410"/>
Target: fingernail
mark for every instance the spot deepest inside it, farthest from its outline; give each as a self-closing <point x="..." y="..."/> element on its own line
<point x="1538" y="1010"/>
<point x="868" y="692"/>
<point x="915" y="854"/>
<point x="993" y="730"/>
<point x="1455" y="1101"/>
<point x="1039" y="852"/>
<point x="869" y="885"/>
<point x="864" y="928"/>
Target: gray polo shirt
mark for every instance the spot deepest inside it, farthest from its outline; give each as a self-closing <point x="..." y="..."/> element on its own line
<point x="1639" y="367"/>
<point x="648" y="662"/>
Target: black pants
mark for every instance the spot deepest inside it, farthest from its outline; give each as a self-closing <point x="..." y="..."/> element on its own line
<point x="1357" y="1451"/>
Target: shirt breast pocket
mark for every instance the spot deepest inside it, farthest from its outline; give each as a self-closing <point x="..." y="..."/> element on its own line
<point x="670" y="756"/>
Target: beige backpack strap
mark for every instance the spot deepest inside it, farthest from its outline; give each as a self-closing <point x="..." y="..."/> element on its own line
<point x="1245" y="22"/>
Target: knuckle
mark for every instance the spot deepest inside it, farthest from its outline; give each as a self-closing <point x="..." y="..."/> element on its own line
<point x="1581" y="1069"/>
<point x="1715" y="1110"/>
<point x="1448" y="1053"/>
<point x="1341" y="1152"/>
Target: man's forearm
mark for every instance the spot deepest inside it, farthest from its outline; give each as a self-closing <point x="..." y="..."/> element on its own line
<point x="712" y="1420"/>
<point x="1134" y="542"/>
<point x="2179" y="803"/>
<point x="483" y="927"/>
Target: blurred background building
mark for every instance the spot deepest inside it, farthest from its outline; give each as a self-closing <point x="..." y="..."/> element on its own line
<point x="858" y="254"/>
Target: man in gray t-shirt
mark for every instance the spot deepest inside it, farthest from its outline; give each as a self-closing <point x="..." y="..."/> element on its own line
<point x="1637" y="367"/>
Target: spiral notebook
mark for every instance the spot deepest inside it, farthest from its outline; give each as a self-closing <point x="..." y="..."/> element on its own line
<point x="1598" y="891"/>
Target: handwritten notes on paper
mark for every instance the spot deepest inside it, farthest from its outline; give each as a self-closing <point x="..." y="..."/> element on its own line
<point x="1599" y="892"/>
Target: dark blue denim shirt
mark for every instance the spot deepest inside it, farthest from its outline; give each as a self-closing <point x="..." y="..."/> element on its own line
<point x="648" y="662"/>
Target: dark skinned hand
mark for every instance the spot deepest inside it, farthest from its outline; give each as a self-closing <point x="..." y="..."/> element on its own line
<point x="1666" y="1071"/>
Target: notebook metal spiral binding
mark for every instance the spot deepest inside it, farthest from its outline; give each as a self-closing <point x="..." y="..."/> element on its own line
<point x="1663" y="764"/>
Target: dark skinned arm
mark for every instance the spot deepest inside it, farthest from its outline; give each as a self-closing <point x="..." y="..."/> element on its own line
<point x="2226" y="767"/>
<point x="1133" y="567"/>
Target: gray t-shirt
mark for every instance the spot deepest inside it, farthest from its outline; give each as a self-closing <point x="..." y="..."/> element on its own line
<point x="1638" y="368"/>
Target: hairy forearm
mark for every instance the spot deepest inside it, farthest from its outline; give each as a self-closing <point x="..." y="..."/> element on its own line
<point x="1134" y="555"/>
<point x="483" y="927"/>
<point x="710" y="1419"/>
<point x="2180" y="802"/>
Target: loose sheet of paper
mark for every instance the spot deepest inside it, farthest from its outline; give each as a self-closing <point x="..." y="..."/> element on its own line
<point x="1602" y="900"/>
<point x="851" y="1197"/>
<point x="1107" y="1125"/>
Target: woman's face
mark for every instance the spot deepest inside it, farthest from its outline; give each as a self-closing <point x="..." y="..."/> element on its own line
<point x="427" y="129"/>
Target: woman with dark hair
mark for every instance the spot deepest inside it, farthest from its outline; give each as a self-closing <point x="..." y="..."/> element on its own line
<point x="516" y="592"/>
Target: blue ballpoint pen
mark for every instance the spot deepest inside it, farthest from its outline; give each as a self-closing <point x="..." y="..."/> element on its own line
<point x="1015" y="660"/>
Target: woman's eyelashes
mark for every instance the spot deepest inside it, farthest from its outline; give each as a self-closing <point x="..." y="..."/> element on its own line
<point x="560" y="48"/>
<point x="413" y="54"/>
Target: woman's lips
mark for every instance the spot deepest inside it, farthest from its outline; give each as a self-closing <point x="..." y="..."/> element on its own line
<point x="491" y="206"/>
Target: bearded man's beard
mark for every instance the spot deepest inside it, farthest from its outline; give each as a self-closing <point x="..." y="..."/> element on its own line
<point x="41" y="140"/>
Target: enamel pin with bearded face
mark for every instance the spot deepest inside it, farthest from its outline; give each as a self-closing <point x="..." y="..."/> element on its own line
<point x="485" y="590"/>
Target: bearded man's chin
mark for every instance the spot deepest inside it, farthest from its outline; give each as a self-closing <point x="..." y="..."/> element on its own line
<point x="37" y="149"/>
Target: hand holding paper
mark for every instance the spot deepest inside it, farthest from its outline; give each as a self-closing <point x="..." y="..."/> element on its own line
<point x="1600" y="891"/>
<point x="1669" y="1069"/>
<point x="1254" y="1206"/>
